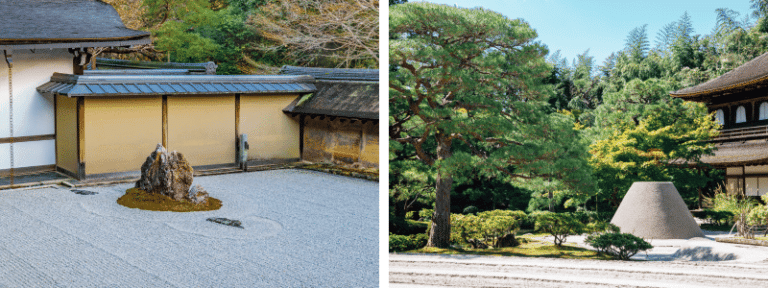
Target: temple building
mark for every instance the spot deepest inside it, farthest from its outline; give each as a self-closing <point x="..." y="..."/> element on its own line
<point x="739" y="101"/>
<point x="340" y="121"/>
<point x="63" y="112"/>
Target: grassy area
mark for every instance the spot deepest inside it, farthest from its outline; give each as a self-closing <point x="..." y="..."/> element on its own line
<point x="534" y="248"/>
<point x="137" y="198"/>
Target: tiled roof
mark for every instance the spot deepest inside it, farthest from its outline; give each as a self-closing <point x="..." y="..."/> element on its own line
<point x="333" y="73"/>
<point x="143" y="85"/>
<point x="199" y="68"/>
<point x="138" y="72"/>
<point x="749" y="74"/>
<point x="63" y="21"/>
<point x="753" y="152"/>
<point x="340" y="98"/>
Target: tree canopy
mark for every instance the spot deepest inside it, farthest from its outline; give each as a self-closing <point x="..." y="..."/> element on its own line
<point x="468" y="92"/>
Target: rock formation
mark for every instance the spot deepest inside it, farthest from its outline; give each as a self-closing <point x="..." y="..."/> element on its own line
<point x="170" y="174"/>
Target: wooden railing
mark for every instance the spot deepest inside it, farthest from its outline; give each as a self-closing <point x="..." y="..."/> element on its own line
<point x="744" y="133"/>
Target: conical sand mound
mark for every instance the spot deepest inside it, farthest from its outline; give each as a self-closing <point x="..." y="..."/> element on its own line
<point x="655" y="210"/>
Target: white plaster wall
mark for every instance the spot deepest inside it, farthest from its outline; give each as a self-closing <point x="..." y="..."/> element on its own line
<point x="5" y="161"/>
<point x="35" y="153"/>
<point x="32" y="112"/>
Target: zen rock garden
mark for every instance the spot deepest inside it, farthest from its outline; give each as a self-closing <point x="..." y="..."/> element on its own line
<point x="166" y="185"/>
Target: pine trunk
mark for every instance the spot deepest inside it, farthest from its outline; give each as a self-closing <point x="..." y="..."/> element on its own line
<point x="440" y="232"/>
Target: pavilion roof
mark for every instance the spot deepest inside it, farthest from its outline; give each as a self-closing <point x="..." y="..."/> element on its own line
<point x="36" y="24"/>
<point x="748" y="76"/>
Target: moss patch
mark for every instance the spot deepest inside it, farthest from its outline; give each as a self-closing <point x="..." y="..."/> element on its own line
<point x="533" y="248"/>
<point x="139" y="199"/>
<point x="368" y="174"/>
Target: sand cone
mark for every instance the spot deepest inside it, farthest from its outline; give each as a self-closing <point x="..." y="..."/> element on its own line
<point x="655" y="210"/>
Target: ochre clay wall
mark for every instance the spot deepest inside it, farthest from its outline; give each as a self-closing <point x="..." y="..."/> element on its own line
<point x="120" y="132"/>
<point x="271" y="133"/>
<point x="346" y="142"/>
<point x="202" y="128"/>
<point x="66" y="133"/>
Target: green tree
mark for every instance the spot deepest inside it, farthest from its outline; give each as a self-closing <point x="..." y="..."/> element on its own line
<point x="649" y="136"/>
<point x="637" y="43"/>
<point x="472" y="78"/>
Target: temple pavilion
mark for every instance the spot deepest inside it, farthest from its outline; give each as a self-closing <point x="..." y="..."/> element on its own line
<point x="739" y="101"/>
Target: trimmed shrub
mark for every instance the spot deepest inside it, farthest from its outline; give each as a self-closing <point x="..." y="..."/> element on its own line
<point x="621" y="246"/>
<point x="586" y="217"/>
<point x="486" y="228"/>
<point x="426" y="214"/>
<point x="404" y="243"/>
<point x="601" y="227"/>
<point x="470" y="210"/>
<point x="559" y="225"/>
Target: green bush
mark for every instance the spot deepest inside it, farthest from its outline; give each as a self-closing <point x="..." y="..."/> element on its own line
<point x="586" y="217"/>
<point x="404" y="243"/>
<point x="601" y="227"/>
<point x="410" y="215"/>
<point x="426" y="214"/>
<point x="559" y="225"/>
<point x="619" y="245"/>
<point x="470" y="210"/>
<point x="485" y="228"/>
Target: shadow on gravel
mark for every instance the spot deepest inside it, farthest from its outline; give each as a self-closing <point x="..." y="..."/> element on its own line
<point x="702" y="254"/>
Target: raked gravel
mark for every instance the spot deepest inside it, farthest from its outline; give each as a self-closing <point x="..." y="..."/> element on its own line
<point x="302" y="229"/>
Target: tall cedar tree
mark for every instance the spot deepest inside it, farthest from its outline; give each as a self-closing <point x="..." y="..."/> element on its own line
<point x="467" y="92"/>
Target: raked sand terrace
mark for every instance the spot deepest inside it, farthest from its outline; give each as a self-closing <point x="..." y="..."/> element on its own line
<point x="302" y="229"/>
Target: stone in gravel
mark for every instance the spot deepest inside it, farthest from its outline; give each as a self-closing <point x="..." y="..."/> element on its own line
<point x="166" y="173"/>
<point x="197" y="195"/>
<point x="84" y="192"/>
<point x="507" y="241"/>
<point x="477" y="244"/>
<point x="228" y="222"/>
<point x="655" y="210"/>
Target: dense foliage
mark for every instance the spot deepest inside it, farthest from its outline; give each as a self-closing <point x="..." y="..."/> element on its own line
<point x="254" y="36"/>
<point x="399" y="243"/>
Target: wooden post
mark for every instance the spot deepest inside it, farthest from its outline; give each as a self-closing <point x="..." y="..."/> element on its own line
<point x="238" y="148"/>
<point x="302" y="118"/>
<point x="80" y="138"/>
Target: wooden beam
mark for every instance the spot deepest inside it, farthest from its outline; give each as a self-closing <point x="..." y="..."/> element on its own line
<point x="237" y="124"/>
<point x="27" y="138"/>
<point x="165" y="121"/>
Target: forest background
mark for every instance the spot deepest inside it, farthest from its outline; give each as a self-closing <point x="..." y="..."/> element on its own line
<point x="253" y="36"/>
<point x="626" y="124"/>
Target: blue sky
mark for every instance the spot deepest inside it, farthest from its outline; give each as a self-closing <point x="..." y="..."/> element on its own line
<point x="602" y="26"/>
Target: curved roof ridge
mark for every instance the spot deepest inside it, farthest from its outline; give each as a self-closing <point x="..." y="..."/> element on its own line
<point x="754" y="71"/>
<point x="63" y="21"/>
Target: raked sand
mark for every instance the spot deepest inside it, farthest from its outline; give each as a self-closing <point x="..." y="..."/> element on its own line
<point x="302" y="229"/>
